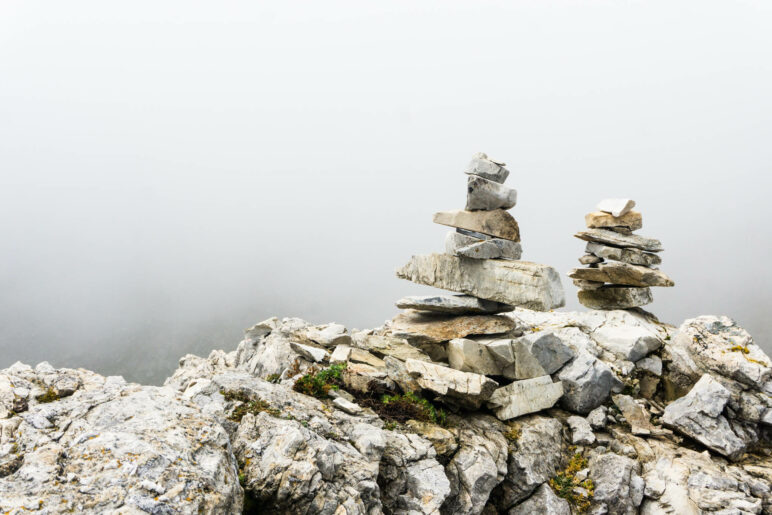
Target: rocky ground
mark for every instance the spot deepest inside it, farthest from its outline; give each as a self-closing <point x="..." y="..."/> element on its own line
<point x="558" y="413"/>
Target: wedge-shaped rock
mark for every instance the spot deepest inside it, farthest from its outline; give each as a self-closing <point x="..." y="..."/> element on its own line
<point x="494" y="248"/>
<point x="455" y="240"/>
<point x="699" y="415"/>
<point x="472" y="356"/>
<point x="453" y="305"/>
<point x="540" y="353"/>
<point x="632" y="221"/>
<point x="616" y="206"/>
<point x="635" y="415"/>
<point x="497" y="223"/>
<point x="588" y="382"/>
<point x="616" y="272"/>
<point x="383" y="346"/>
<point x="466" y="389"/>
<point x="487" y="195"/>
<point x="620" y="240"/>
<point x="487" y="168"/>
<point x="419" y="327"/>
<point x="517" y="283"/>
<point x="615" y="297"/>
<point x="632" y="256"/>
<point x="524" y="397"/>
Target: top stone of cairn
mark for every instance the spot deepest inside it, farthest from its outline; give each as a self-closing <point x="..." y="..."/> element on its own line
<point x="487" y="168"/>
<point x="616" y="206"/>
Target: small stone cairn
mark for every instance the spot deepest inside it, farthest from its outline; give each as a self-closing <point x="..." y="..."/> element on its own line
<point x="621" y="266"/>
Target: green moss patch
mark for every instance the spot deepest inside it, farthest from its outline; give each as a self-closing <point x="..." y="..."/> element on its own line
<point x="318" y="383"/>
<point x="246" y="405"/>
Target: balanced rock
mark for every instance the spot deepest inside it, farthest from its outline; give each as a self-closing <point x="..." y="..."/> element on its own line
<point x="497" y="223"/>
<point x="583" y="284"/>
<point x="483" y="194"/>
<point x="616" y="206"/>
<point x="494" y="248"/>
<point x="589" y="259"/>
<point x="616" y="272"/>
<point x="517" y="283"/>
<point x="620" y="240"/>
<point x="631" y="220"/>
<point x="632" y="256"/>
<point x="420" y="327"/>
<point x="487" y="168"/>
<point x="453" y="305"/>
<point x="524" y="397"/>
<point x="615" y="297"/>
<point x="469" y="390"/>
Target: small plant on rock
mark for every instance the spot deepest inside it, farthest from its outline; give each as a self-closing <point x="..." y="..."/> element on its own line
<point x="247" y="405"/>
<point x="401" y="408"/>
<point x="318" y="383"/>
<point x="49" y="396"/>
<point x="566" y="485"/>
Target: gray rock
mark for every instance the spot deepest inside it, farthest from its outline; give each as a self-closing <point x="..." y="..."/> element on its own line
<point x="347" y="406"/>
<point x="383" y="346"/>
<point x="590" y="259"/>
<point x="329" y="335"/>
<point x="487" y="168"/>
<point x="540" y="353"/>
<point x="616" y="272"/>
<point x="620" y="240"/>
<point x="494" y="248"/>
<point x="635" y="415"/>
<point x="455" y="240"/>
<point x="587" y="383"/>
<point x="632" y="256"/>
<point x="618" y="484"/>
<point x="616" y="206"/>
<point x="544" y="502"/>
<point x="463" y="388"/>
<point x="311" y="353"/>
<point x="615" y="297"/>
<point x="627" y="336"/>
<point x="524" y="397"/>
<point x="650" y="364"/>
<point x="699" y="416"/>
<point x="516" y="283"/>
<point x="472" y="356"/>
<point x="497" y="223"/>
<point x="597" y="417"/>
<point x="587" y="285"/>
<point x="487" y="195"/>
<point x="453" y="305"/>
<point x="581" y="431"/>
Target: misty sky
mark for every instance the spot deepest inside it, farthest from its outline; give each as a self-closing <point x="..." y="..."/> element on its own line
<point x="172" y="172"/>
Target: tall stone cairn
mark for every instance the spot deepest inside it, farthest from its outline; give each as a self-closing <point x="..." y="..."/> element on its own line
<point x="621" y="266"/>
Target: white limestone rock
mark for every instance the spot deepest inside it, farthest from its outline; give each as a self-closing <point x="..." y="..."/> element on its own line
<point x="497" y="223"/>
<point x="484" y="194"/>
<point x="620" y="240"/>
<point x="632" y="256"/>
<point x="471" y="356"/>
<point x="544" y="501"/>
<point x="581" y="431"/>
<point x="524" y="397"/>
<point x="481" y="165"/>
<point x="597" y="418"/>
<point x="616" y="206"/>
<point x="635" y="415"/>
<point x="587" y="383"/>
<point x="540" y="353"/>
<point x="617" y="272"/>
<point x="462" y="388"/>
<point x="618" y="484"/>
<point x="615" y="297"/>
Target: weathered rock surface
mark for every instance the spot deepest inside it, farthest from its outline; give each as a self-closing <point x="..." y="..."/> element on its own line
<point x="632" y="220"/>
<point x="618" y="485"/>
<point x="587" y="383"/>
<point x="453" y="305"/>
<point x="493" y="248"/>
<point x="516" y="283"/>
<point x="589" y="259"/>
<point x="523" y="397"/>
<point x="420" y="327"/>
<point x="487" y="168"/>
<point x="615" y="297"/>
<point x="544" y="502"/>
<point x="467" y="389"/>
<point x="488" y="195"/>
<point x="624" y="274"/>
<point x="497" y="223"/>
<point x="581" y="431"/>
<point x="634" y="414"/>
<point x="383" y="346"/>
<point x="620" y="240"/>
<point x="632" y="256"/>
<point x="473" y="356"/>
<point x="616" y="206"/>
<point x="540" y="353"/>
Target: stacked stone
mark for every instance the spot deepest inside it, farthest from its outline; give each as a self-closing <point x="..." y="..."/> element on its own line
<point x="621" y="266"/>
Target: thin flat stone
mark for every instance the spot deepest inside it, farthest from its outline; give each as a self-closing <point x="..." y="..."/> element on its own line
<point x="497" y="223"/>
<point x="620" y="240"/>
<point x="453" y="305"/>
<point x="615" y="297"/>
<point x="616" y="206"/>
<point x="590" y="259"/>
<point x="516" y="283"/>
<point x="632" y="256"/>
<point x="524" y="397"/>
<point x="616" y="272"/>
<point x="478" y="235"/>
<point x="488" y="195"/>
<point x="587" y="285"/>
<point x="631" y="220"/>
<point x="455" y="240"/>
<point x="470" y="390"/>
<point x="494" y="248"/>
<point x="487" y="168"/>
<point x="436" y="328"/>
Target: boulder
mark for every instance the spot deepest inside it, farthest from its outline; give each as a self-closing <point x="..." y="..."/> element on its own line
<point x="616" y="272"/>
<point x="419" y="327"/>
<point x="631" y="220"/>
<point x="597" y="418"/>
<point x="616" y="206"/>
<point x="620" y="240"/>
<point x="632" y="256"/>
<point x="516" y="283"/>
<point x="453" y="305"/>
<point x="497" y="223"/>
<point x="481" y="165"/>
<point x="524" y="397"/>
<point x="484" y="194"/>
<point x="462" y="388"/>
<point x="543" y="501"/>
<point x="615" y="297"/>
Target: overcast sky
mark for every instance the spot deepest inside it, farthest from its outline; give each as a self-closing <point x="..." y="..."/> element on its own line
<point x="172" y="172"/>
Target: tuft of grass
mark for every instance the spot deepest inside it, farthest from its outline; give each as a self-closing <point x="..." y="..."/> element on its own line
<point x="565" y="484"/>
<point x="247" y="405"/>
<point x="318" y="383"/>
<point x="512" y="434"/>
<point x="273" y="378"/>
<point x="49" y="396"/>
<point x="407" y="406"/>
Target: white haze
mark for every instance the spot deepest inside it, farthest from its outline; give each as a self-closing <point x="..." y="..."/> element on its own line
<point x="172" y="172"/>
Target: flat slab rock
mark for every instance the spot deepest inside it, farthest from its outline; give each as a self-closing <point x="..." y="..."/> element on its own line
<point x="632" y="256"/>
<point x="430" y="328"/>
<point x="470" y="390"/>
<point x="463" y="245"/>
<point x="524" y="397"/>
<point x="624" y="274"/>
<point x="483" y="194"/>
<point x="615" y="297"/>
<point x="620" y="240"/>
<point x="516" y="283"/>
<point x="453" y="305"/>
<point x="487" y="168"/>
<point x="497" y="223"/>
<point x="631" y="220"/>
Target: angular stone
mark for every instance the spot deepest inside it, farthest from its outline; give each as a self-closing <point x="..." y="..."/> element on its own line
<point x="581" y="432"/>
<point x="631" y="220"/>
<point x="497" y="223"/>
<point x="651" y="364"/>
<point x="616" y="206"/>
<point x="347" y="406"/>
<point x="589" y="259"/>
<point x="632" y="256"/>
<point x="329" y="335"/>
<point x="424" y="328"/>
<point x="615" y="297"/>
<point x="455" y="240"/>
<point x="309" y="352"/>
<point x="453" y="305"/>
<point x="482" y="194"/>
<point x="622" y="273"/>
<point x="383" y="346"/>
<point x="587" y="285"/>
<point x="587" y="382"/>
<point x="618" y="484"/>
<point x="544" y="501"/>
<point x="487" y="168"/>
<point x="540" y="353"/>
<point x="476" y="235"/>
<point x="494" y="248"/>
<point x="626" y="336"/>
<point x="471" y="356"/>
<point x="635" y="414"/>
<point x="699" y="415"/>
<point x="524" y="397"/>
<point x="620" y="240"/>
<point x="469" y="390"/>
<point x="516" y="283"/>
<point x="597" y="417"/>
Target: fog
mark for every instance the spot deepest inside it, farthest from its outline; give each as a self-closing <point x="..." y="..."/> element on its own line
<point x="172" y="172"/>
